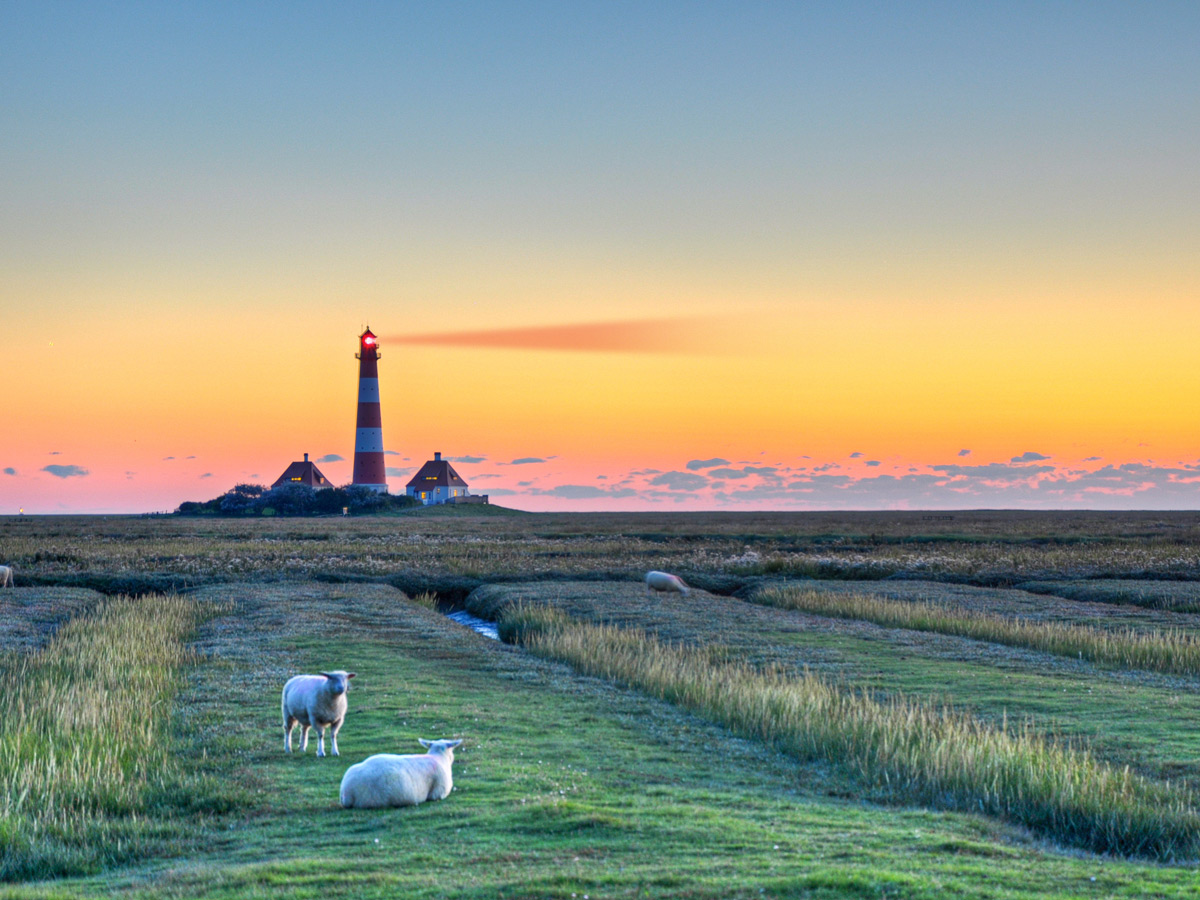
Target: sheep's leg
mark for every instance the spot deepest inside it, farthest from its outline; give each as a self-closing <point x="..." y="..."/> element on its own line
<point x="304" y="737"/>
<point x="288" y="725"/>
<point x="320" y="740"/>
<point x="333" y="736"/>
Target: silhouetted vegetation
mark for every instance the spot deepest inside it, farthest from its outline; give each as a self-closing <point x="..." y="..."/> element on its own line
<point x="296" y="500"/>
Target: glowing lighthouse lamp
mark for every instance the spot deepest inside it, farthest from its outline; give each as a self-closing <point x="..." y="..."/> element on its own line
<point x="368" y="438"/>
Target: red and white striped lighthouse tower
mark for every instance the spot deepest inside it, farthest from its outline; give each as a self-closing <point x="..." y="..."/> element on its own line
<point x="368" y="437"/>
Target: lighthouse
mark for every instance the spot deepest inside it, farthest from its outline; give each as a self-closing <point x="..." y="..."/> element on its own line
<point x="368" y="437"/>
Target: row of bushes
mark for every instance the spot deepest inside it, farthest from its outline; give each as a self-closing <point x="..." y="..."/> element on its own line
<point x="296" y="500"/>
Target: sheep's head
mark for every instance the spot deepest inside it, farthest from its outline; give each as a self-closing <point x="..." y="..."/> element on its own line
<point x="339" y="681"/>
<point x="441" y="747"/>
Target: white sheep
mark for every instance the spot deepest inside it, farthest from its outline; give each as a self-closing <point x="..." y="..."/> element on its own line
<point x="388" y="779"/>
<point x="315" y="701"/>
<point x="664" y="581"/>
<point x="6" y="576"/>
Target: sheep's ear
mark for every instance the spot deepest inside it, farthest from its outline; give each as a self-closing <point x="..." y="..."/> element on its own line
<point x="326" y="675"/>
<point x="453" y="743"/>
<point x="424" y="743"/>
<point x="351" y="674"/>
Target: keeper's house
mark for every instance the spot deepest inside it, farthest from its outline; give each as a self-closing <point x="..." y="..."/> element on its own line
<point x="437" y="482"/>
<point x="303" y="473"/>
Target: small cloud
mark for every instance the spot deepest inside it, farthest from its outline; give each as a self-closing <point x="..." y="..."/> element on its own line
<point x="679" y="481"/>
<point x="331" y="457"/>
<point x="502" y="492"/>
<point x="395" y="472"/>
<point x="1093" y="459"/>
<point x="166" y="458"/>
<point x="524" y="483"/>
<point x="466" y="459"/>
<point x="1028" y="456"/>
<point x="9" y="470"/>
<point x="66" y="471"/>
<point x="526" y="460"/>
<point x="964" y="452"/>
<point x="190" y="457"/>
<point x="207" y="475"/>
<point x="56" y="453"/>
<point x="696" y="464"/>
<point x="602" y="478"/>
<point x="855" y="455"/>
<point x="390" y="453"/>
<point x="129" y="476"/>
<point x="872" y="462"/>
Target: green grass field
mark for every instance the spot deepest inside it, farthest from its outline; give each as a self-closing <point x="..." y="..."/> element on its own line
<point x="567" y="784"/>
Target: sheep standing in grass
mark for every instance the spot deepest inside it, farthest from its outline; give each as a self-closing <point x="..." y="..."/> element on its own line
<point x="315" y="701"/>
<point x="388" y="779"/>
<point x="664" y="581"/>
<point x="6" y="579"/>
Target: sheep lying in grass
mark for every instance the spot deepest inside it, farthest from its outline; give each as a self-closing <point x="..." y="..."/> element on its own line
<point x="388" y="779"/>
<point x="664" y="581"/>
<point x="6" y="578"/>
<point x="315" y="701"/>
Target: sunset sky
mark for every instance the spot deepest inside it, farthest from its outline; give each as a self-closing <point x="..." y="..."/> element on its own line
<point x="619" y="256"/>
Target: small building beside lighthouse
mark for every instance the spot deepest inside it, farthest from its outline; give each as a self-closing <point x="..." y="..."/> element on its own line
<point x="437" y="482"/>
<point x="305" y="473"/>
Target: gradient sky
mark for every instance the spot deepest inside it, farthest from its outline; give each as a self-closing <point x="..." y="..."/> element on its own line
<point x="885" y="254"/>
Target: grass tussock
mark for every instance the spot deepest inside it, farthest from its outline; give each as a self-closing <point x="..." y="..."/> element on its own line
<point x="905" y="751"/>
<point x="1157" y="650"/>
<point x="426" y="599"/>
<point x="85" y="736"/>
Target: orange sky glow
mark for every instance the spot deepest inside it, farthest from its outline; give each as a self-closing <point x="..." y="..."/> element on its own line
<point x="820" y="269"/>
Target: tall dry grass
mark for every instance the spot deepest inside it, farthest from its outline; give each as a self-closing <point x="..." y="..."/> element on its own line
<point x="906" y="751"/>
<point x="1158" y="650"/>
<point x="84" y="734"/>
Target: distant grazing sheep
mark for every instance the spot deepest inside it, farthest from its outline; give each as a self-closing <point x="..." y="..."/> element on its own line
<point x="6" y="579"/>
<point x="664" y="581"/>
<point x="387" y="779"/>
<point x="315" y="701"/>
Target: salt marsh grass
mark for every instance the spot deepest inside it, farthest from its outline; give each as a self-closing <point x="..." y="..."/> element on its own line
<point x="426" y="599"/>
<point x="905" y="751"/>
<point x="84" y="736"/>
<point x="1158" y="650"/>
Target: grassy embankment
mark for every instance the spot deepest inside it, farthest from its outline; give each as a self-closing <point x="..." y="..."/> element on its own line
<point x="566" y="785"/>
<point x="915" y="753"/>
<point x="569" y="784"/>
<point x="85" y="744"/>
<point x="1152" y="649"/>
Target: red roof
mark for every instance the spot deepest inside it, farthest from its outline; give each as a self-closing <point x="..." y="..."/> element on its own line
<point x="302" y="473"/>
<point x="436" y="473"/>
